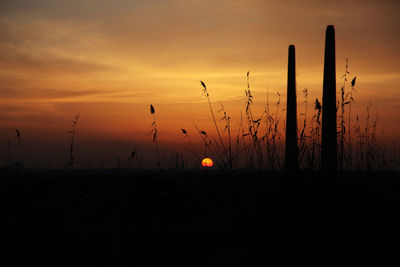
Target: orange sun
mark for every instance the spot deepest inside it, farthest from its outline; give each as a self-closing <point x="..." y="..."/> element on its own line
<point x="207" y="162"/>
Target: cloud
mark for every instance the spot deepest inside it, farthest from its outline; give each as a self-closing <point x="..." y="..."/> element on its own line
<point x="45" y="94"/>
<point x="16" y="60"/>
<point x="31" y="46"/>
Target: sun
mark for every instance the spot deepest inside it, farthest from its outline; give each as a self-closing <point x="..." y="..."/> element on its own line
<point x="207" y="162"/>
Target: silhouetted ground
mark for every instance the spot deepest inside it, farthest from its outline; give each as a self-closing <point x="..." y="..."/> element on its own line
<point x="200" y="218"/>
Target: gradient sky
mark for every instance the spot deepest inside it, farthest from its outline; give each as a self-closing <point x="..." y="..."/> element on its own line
<point x="108" y="60"/>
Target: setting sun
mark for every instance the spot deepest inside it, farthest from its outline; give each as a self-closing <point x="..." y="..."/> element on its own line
<point x="207" y="162"/>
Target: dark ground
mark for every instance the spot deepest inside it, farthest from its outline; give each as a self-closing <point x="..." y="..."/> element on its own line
<point x="200" y="218"/>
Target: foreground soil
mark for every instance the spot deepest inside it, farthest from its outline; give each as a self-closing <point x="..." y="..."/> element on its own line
<point x="199" y="218"/>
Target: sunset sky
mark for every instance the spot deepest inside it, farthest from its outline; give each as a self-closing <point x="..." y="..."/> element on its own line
<point x="109" y="60"/>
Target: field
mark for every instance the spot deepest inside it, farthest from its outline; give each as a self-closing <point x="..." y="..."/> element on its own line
<point x="199" y="218"/>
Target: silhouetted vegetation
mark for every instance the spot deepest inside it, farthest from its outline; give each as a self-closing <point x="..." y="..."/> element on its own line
<point x="154" y="130"/>
<point x="72" y="132"/>
<point x="318" y="143"/>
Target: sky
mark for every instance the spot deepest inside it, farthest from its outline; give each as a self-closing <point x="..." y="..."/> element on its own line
<point x="109" y="60"/>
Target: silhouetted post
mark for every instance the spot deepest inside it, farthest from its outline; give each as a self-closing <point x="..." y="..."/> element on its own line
<point x="291" y="148"/>
<point x="328" y="142"/>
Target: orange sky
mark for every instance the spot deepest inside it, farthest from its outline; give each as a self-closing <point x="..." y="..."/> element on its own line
<point x="108" y="60"/>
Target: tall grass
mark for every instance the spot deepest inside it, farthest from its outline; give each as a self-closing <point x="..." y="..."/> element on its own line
<point x="191" y="148"/>
<point x="134" y="156"/>
<point x="253" y="125"/>
<point x="227" y="128"/>
<point x="154" y="131"/>
<point x="260" y="142"/>
<point x="223" y="151"/>
<point x="272" y="134"/>
<point x="342" y="102"/>
<point x="21" y="154"/>
<point x="71" y="140"/>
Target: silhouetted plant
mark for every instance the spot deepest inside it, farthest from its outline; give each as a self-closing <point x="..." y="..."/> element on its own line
<point x="191" y="147"/>
<point x="268" y="126"/>
<point x="394" y="163"/>
<point x="291" y="147"/>
<point x="304" y="147"/>
<point x="268" y="138"/>
<point x="315" y="135"/>
<point x="227" y="128"/>
<point x="71" y="141"/>
<point x="329" y="141"/>
<point x="276" y="136"/>
<point x="342" y="127"/>
<point x="135" y="156"/>
<point x="253" y="127"/>
<point x="370" y="138"/>
<point x="242" y="136"/>
<point x="351" y="101"/>
<point x="21" y="155"/>
<point x="211" y="147"/>
<point x="366" y="153"/>
<point x="155" y="135"/>
<point x="346" y="98"/>
<point x="240" y="146"/>
<point x="221" y="142"/>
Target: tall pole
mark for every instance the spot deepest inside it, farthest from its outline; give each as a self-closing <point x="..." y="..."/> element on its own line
<point x="291" y="148"/>
<point x="328" y="143"/>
